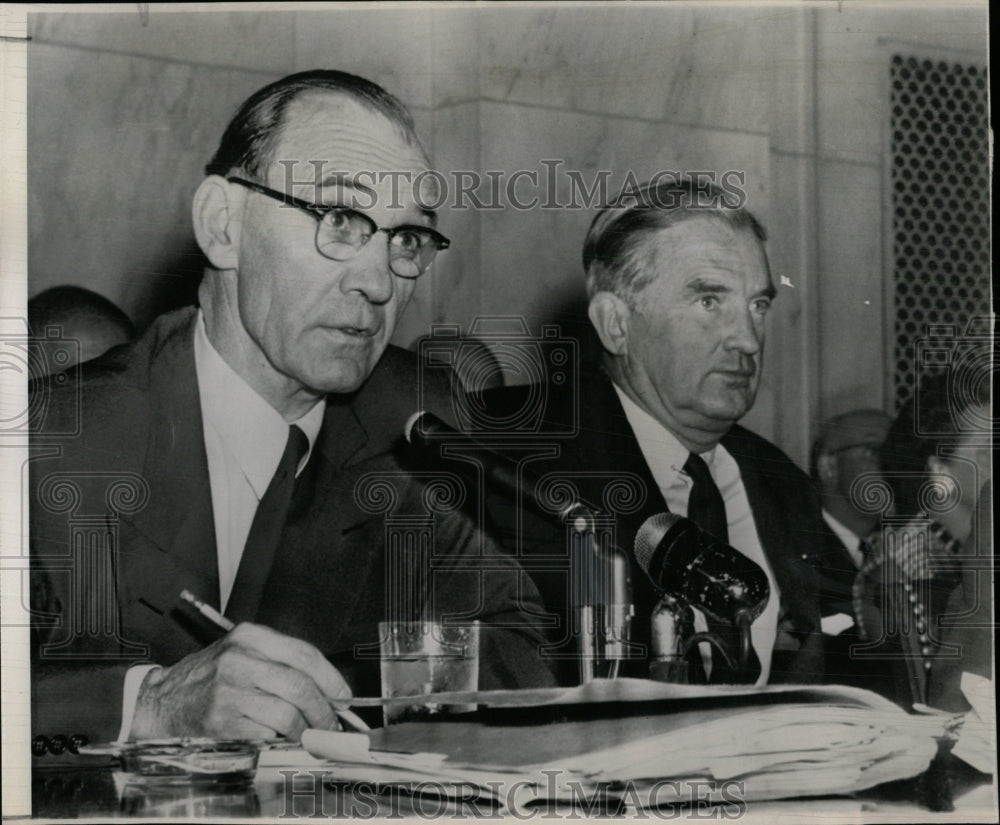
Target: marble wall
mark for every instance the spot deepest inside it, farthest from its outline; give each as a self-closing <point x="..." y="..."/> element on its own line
<point x="125" y="107"/>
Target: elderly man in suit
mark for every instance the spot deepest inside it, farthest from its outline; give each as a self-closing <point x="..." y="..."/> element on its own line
<point x="679" y="290"/>
<point x="845" y="451"/>
<point x="245" y="451"/>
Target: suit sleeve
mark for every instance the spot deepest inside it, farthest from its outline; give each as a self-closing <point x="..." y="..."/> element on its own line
<point x="479" y="580"/>
<point x="78" y="665"/>
<point x="74" y="689"/>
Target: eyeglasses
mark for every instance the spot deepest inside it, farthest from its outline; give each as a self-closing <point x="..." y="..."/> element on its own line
<point x="871" y="450"/>
<point x="342" y="232"/>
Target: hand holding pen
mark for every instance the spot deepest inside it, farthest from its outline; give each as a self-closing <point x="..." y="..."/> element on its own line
<point x="253" y="683"/>
<point x="347" y="716"/>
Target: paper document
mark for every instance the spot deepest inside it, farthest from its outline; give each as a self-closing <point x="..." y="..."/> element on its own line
<point x="778" y="742"/>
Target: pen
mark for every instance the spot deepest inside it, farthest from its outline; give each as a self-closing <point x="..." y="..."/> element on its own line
<point x="207" y="611"/>
<point x="214" y="616"/>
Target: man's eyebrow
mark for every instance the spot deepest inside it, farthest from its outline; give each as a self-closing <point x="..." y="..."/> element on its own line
<point x="347" y="182"/>
<point x="701" y="286"/>
<point x="343" y="180"/>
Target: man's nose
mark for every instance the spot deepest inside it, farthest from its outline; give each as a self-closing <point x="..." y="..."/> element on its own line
<point x="744" y="333"/>
<point x="368" y="272"/>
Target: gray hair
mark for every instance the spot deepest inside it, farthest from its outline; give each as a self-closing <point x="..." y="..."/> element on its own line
<point x="611" y="259"/>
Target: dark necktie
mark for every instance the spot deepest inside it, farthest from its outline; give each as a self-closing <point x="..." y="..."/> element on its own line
<point x="265" y="531"/>
<point x="707" y="509"/>
<point x="705" y="506"/>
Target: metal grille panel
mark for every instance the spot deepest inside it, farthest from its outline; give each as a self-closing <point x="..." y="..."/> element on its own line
<point x="940" y="204"/>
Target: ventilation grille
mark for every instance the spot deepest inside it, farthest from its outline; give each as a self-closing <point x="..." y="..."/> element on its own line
<point x="940" y="205"/>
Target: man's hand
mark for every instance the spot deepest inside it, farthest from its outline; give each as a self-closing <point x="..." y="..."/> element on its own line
<point x="252" y="684"/>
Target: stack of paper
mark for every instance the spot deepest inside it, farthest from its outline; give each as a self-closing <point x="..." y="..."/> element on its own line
<point x="651" y="743"/>
<point x="977" y="742"/>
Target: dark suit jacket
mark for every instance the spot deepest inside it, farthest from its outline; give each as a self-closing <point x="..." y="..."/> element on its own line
<point x="122" y="521"/>
<point x="838" y="572"/>
<point x="591" y="445"/>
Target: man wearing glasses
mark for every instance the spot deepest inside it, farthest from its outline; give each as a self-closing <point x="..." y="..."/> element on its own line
<point x="248" y="427"/>
<point x="846" y="449"/>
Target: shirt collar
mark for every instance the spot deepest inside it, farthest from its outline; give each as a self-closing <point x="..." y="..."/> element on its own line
<point x="847" y="537"/>
<point x="662" y="450"/>
<point x="252" y="430"/>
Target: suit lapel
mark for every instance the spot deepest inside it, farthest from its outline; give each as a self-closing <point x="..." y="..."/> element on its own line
<point x="766" y="516"/>
<point x="343" y="436"/>
<point x="609" y="445"/>
<point x="780" y="538"/>
<point x="178" y="519"/>
<point x="343" y="442"/>
<point x="609" y="455"/>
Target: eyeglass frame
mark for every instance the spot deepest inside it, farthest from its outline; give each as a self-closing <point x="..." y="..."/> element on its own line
<point x="320" y="210"/>
<point x="871" y="446"/>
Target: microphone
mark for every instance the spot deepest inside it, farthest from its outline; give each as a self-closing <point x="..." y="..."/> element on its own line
<point x="425" y="431"/>
<point x="601" y="595"/>
<point x="689" y="564"/>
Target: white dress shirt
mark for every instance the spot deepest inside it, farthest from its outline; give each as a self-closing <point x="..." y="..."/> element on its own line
<point x="245" y="438"/>
<point x="244" y="441"/>
<point x="848" y="538"/>
<point x="666" y="456"/>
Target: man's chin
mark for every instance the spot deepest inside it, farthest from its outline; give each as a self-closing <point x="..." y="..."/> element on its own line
<point x="729" y="409"/>
<point x="334" y="370"/>
<point x="341" y="378"/>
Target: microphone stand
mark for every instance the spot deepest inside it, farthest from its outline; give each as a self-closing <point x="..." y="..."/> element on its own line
<point x="673" y="638"/>
<point x="743" y="622"/>
<point x="603" y="598"/>
<point x="672" y="628"/>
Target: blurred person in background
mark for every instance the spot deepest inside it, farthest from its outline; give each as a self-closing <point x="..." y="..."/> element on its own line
<point x="81" y="315"/>
<point x="921" y="570"/>
<point x="845" y="452"/>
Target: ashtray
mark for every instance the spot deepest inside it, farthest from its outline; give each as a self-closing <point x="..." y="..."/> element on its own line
<point x="188" y="761"/>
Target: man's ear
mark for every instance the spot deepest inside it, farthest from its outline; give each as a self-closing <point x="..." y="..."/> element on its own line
<point x="212" y="213"/>
<point x="826" y="466"/>
<point x="610" y="316"/>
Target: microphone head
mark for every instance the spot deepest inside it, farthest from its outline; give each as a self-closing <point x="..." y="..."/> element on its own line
<point x="650" y="535"/>
<point x="690" y="564"/>
<point x="411" y="422"/>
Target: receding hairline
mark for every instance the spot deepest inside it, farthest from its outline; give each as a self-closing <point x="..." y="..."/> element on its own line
<point x="269" y="156"/>
<point x="248" y="140"/>
<point x="707" y="217"/>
